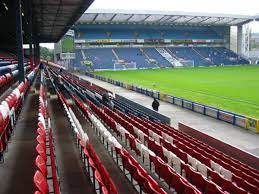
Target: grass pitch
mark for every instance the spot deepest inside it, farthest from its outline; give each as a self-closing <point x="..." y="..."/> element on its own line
<point x="234" y="89"/>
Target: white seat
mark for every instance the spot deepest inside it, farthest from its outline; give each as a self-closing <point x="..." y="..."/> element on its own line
<point x="139" y="147"/>
<point x="215" y="166"/>
<point x="141" y="136"/>
<point x="146" y="153"/>
<point x="156" y="137"/>
<point x="226" y="174"/>
<point x="169" y="155"/>
<point x="202" y="168"/>
<point x="192" y="161"/>
<point x="151" y="133"/>
<point x="4" y="111"/>
<point x="176" y="164"/>
<point x="136" y="130"/>
<point x="17" y="93"/>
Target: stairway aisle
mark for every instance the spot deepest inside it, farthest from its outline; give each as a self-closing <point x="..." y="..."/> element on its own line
<point x="73" y="179"/>
<point x="18" y="168"/>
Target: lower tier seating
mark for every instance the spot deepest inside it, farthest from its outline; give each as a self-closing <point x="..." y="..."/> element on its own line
<point x="149" y="57"/>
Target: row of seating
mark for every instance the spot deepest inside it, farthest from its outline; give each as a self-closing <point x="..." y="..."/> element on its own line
<point x="46" y="177"/>
<point x="127" y="163"/>
<point x="85" y="84"/>
<point x="7" y="77"/>
<point x="236" y="163"/>
<point x="243" y="175"/>
<point x="191" y="156"/>
<point x="193" y="148"/>
<point x="5" y="80"/>
<point x="100" y="178"/>
<point x="10" y="109"/>
<point x="175" y="160"/>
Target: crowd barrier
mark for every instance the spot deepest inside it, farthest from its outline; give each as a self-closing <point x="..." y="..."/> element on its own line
<point x="242" y="121"/>
<point x="160" y="117"/>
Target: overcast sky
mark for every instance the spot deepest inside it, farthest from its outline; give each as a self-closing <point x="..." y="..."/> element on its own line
<point x="240" y="7"/>
<point x="246" y="7"/>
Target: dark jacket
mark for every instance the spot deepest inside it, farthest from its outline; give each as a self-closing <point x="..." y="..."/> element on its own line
<point x="155" y="105"/>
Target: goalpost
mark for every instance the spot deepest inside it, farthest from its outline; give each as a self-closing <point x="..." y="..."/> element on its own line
<point x="124" y="66"/>
<point x="187" y="63"/>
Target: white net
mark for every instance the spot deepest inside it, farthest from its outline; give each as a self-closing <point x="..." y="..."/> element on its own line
<point x="187" y="63"/>
<point x="124" y="66"/>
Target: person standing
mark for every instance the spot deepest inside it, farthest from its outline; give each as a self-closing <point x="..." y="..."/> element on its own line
<point x="41" y="67"/>
<point x="155" y="104"/>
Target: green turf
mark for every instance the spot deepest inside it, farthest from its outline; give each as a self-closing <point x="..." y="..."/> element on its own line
<point x="233" y="89"/>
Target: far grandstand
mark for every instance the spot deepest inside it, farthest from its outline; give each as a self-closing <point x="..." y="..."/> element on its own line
<point x="120" y="40"/>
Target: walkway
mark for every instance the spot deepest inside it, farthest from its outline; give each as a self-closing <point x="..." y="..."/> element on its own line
<point x="233" y="135"/>
<point x="18" y="168"/>
<point x="73" y="178"/>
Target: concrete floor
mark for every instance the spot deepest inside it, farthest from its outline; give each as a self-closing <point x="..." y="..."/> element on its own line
<point x="233" y="135"/>
<point x="73" y="178"/>
<point x="18" y="168"/>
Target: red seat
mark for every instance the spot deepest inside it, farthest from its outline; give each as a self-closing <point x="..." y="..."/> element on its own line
<point x="41" y="182"/>
<point x="41" y="151"/>
<point x="41" y="140"/>
<point x="41" y="164"/>
<point x="166" y="173"/>
<point x="98" y="178"/>
<point x="216" y="178"/>
<point x="41" y="132"/>
<point x="104" y="190"/>
<point x="179" y="184"/>
<point x="152" y="187"/>
<point x="199" y="181"/>
<point x="212" y="188"/>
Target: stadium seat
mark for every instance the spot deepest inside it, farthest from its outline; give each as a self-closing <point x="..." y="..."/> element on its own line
<point x="41" y="182"/>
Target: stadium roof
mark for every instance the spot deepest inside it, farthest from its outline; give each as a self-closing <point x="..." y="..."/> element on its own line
<point x="55" y="17"/>
<point x="51" y="18"/>
<point x="162" y="18"/>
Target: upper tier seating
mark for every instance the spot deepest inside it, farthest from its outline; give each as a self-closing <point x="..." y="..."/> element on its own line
<point x="144" y="32"/>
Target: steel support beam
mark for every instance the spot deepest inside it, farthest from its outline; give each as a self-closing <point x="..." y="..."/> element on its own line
<point x="30" y="34"/>
<point x="19" y="39"/>
<point x="37" y="52"/>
